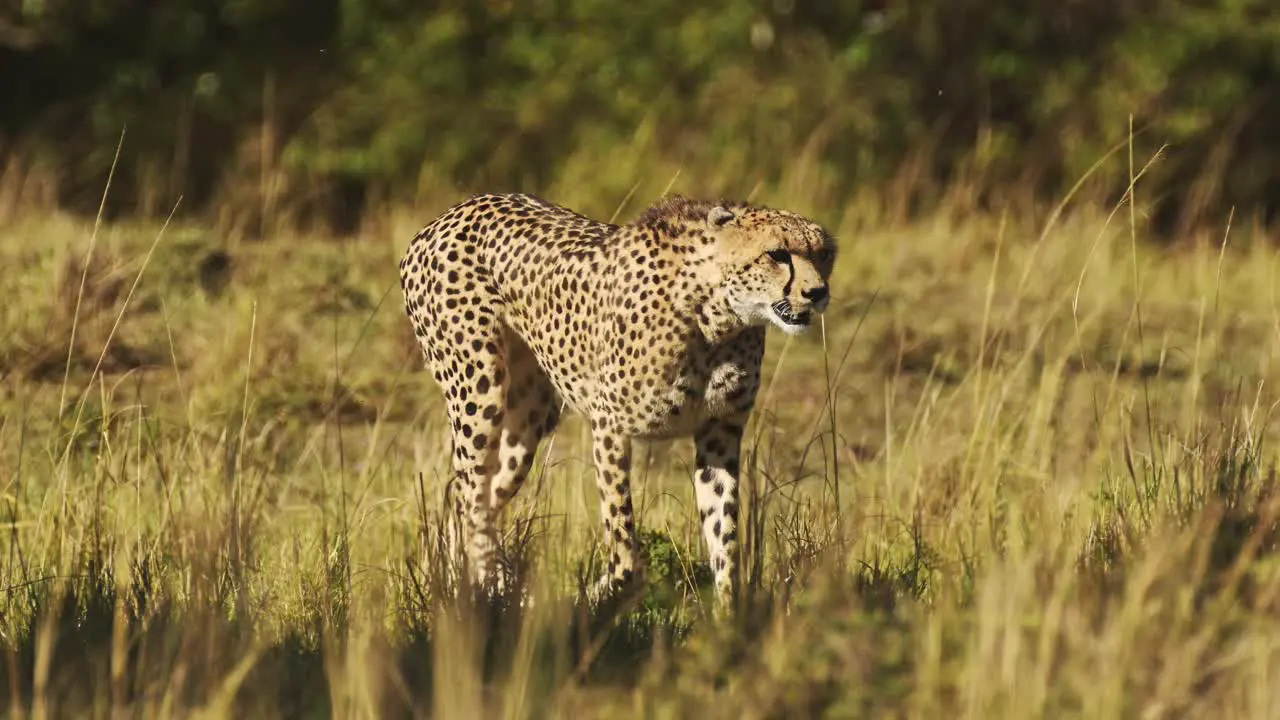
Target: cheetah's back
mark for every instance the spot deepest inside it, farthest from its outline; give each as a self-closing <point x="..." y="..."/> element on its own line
<point x="498" y="266"/>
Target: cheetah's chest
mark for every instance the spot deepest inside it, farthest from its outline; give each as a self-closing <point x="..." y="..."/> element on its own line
<point x="700" y="394"/>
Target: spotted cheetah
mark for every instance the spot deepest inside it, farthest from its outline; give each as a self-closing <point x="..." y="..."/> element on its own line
<point x="653" y="329"/>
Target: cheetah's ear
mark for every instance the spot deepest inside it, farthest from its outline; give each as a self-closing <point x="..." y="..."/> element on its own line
<point x="719" y="216"/>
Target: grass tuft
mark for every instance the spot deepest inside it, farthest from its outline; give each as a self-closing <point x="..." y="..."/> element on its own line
<point x="984" y="490"/>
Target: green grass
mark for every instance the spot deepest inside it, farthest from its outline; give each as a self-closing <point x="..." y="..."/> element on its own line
<point x="1020" y="471"/>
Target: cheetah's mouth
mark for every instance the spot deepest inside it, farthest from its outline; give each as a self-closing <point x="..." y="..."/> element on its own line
<point x="788" y="316"/>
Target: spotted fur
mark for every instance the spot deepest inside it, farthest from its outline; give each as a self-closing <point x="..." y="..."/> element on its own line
<point x="652" y="329"/>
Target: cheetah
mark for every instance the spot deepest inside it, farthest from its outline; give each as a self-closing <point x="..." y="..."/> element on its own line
<point x="654" y="329"/>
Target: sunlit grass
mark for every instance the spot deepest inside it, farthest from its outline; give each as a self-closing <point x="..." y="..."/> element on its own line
<point x="982" y="490"/>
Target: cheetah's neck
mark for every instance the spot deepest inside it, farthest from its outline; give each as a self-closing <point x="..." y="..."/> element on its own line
<point x="717" y="322"/>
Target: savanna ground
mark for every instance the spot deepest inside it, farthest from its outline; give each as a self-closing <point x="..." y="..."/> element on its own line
<point x="1025" y="468"/>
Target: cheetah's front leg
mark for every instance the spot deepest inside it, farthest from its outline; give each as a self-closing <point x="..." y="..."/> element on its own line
<point x="718" y="445"/>
<point x="612" y="452"/>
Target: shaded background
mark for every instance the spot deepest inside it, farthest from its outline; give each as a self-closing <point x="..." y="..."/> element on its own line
<point x="316" y="111"/>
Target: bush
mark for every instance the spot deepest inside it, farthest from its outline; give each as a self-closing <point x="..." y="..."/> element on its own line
<point x="274" y="106"/>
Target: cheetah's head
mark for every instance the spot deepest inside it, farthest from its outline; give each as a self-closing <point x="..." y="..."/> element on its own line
<point x="777" y="265"/>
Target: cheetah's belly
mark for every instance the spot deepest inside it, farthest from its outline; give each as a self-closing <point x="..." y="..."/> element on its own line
<point x="560" y="356"/>
<point x="551" y="314"/>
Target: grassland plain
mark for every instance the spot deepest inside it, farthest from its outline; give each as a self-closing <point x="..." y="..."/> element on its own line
<point x="1025" y="468"/>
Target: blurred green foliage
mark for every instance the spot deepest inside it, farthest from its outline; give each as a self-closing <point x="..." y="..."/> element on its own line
<point x="360" y="100"/>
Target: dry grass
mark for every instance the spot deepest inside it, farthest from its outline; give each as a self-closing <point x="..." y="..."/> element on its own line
<point x="1020" y="472"/>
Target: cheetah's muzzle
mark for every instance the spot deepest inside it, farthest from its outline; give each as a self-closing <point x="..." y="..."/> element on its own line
<point x="787" y="314"/>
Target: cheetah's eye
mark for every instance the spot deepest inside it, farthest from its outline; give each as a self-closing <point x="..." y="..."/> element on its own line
<point x="779" y="256"/>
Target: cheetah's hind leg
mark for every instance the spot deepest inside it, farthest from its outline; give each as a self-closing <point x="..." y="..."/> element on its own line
<point x="532" y="411"/>
<point x="612" y="454"/>
<point x="472" y="373"/>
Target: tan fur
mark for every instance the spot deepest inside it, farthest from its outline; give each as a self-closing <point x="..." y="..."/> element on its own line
<point x="653" y="329"/>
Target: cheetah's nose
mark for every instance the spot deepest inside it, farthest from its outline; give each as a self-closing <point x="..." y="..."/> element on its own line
<point x="815" y="295"/>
